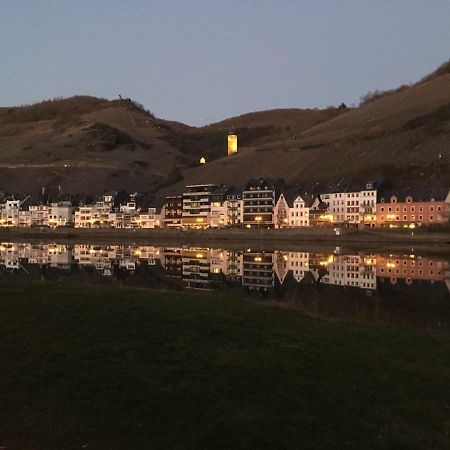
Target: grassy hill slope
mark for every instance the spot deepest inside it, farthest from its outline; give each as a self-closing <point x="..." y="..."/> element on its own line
<point x="86" y="145"/>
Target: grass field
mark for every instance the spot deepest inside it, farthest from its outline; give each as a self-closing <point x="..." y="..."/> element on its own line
<point x="98" y="368"/>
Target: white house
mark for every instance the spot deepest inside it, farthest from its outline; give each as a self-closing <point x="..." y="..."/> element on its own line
<point x="39" y="215"/>
<point x="60" y="214"/>
<point x="97" y="215"/>
<point x="352" y="203"/>
<point x="9" y="213"/>
<point x="293" y="209"/>
<point x="299" y="213"/>
<point x="218" y="215"/>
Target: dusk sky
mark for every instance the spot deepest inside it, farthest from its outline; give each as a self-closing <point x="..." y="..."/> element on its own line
<point x="206" y="60"/>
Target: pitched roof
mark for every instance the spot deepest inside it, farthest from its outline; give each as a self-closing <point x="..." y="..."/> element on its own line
<point x="260" y="182"/>
<point x="291" y="193"/>
<point x="353" y="185"/>
<point x="417" y="193"/>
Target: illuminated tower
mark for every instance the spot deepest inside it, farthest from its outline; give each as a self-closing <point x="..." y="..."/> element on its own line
<point x="232" y="144"/>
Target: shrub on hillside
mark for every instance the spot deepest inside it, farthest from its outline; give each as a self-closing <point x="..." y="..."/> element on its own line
<point x="372" y="96"/>
<point x="443" y="69"/>
<point x="141" y="108"/>
<point x="108" y="136"/>
<point x="432" y="123"/>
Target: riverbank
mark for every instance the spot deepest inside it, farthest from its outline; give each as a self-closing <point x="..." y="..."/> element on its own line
<point x="107" y="368"/>
<point x="309" y="238"/>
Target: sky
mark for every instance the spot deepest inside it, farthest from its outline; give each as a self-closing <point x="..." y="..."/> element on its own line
<point x="205" y="60"/>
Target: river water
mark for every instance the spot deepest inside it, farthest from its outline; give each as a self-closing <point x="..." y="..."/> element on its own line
<point x="388" y="288"/>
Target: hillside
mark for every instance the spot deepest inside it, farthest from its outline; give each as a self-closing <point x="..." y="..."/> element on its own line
<point x="87" y="145"/>
<point x="84" y="144"/>
<point x="404" y="135"/>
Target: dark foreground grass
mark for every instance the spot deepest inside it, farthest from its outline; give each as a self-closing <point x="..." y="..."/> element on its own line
<point x="128" y="369"/>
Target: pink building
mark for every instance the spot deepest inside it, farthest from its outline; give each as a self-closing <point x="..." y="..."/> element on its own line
<point x="413" y="206"/>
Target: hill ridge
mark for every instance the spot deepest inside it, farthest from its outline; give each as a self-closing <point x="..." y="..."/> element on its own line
<point x="87" y="144"/>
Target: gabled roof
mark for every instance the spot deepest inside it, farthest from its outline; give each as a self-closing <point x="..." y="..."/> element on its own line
<point x="417" y="193"/>
<point x="33" y="200"/>
<point x="13" y="197"/>
<point x="292" y="193"/>
<point x="353" y="185"/>
<point x="307" y="198"/>
<point x="273" y="183"/>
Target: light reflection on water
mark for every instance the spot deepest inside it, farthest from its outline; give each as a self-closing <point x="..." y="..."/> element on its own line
<point x="400" y="288"/>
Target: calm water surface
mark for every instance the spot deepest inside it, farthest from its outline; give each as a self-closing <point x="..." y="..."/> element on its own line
<point x="405" y="289"/>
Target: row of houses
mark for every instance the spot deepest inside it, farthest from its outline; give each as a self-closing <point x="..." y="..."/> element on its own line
<point x="270" y="203"/>
<point x="110" y="210"/>
<point x="21" y="213"/>
<point x="260" y="203"/>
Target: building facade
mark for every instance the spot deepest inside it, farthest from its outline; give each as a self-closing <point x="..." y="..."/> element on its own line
<point x="9" y="213"/>
<point x="97" y="215"/>
<point x="172" y="211"/>
<point x="259" y="198"/>
<point x="411" y="207"/>
<point x="197" y="205"/>
<point x="234" y="208"/>
<point x="61" y="214"/>
<point x="352" y="203"/>
<point x="282" y="211"/>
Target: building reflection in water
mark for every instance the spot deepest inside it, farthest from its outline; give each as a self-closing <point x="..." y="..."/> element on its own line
<point x="200" y="267"/>
<point x="328" y="283"/>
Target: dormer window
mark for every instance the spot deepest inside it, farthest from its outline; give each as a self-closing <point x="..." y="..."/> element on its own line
<point x="408" y="199"/>
<point x="394" y="199"/>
